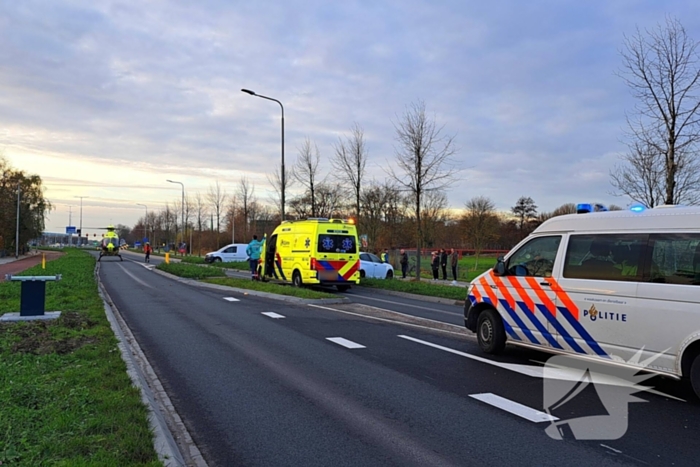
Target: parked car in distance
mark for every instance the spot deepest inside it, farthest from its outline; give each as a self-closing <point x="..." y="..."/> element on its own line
<point x="232" y="252"/>
<point x="372" y="266"/>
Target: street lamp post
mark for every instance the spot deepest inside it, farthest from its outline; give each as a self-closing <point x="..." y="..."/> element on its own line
<point x="182" y="206"/>
<point x="17" y="231"/>
<point x="282" y="180"/>
<point x="80" y="230"/>
<point x="145" y="221"/>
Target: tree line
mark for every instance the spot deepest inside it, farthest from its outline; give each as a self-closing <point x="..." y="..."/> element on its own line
<point x="33" y="208"/>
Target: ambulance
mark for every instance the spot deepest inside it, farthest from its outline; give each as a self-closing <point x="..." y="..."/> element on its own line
<point x="621" y="287"/>
<point x="316" y="251"/>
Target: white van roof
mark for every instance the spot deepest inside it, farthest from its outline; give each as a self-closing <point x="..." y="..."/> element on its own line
<point x="659" y="218"/>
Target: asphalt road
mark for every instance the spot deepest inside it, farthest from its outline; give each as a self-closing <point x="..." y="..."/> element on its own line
<point x="259" y="389"/>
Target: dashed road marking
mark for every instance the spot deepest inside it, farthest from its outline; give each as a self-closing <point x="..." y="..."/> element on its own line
<point x="345" y="343"/>
<point x="515" y="408"/>
<point x="231" y="299"/>
<point x="272" y="315"/>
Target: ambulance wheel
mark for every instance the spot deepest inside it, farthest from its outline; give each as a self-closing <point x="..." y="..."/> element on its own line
<point x="362" y="274"/>
<point x="342" y="288"/>
<point x="490" y="332"/>
<point x="695" y="375"/>
<point x="296" y="279"/>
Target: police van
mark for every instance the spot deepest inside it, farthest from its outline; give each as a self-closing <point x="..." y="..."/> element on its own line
<point x="315" y="251"/>
<point x="621" y="287"/>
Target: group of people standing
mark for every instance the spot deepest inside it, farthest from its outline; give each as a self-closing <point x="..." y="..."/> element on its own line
<point x="439" y="260"/>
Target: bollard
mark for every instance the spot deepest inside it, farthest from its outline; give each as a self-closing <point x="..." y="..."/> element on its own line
<point x="167" y="258"/>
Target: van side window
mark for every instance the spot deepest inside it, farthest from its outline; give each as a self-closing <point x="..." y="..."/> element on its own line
<point x="535" y="258"/>
<point x="231" y="249"/>
<point x="675" y="259"/>
<point x="610" y="257"/>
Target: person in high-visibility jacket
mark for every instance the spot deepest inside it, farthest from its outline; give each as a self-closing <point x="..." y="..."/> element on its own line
<point x="385" y="256"/>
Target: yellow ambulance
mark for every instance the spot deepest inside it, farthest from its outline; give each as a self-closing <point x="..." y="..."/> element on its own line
<point x="315" y="251"/>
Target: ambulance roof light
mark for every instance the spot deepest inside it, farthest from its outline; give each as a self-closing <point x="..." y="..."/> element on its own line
<point x="637" y="208"/>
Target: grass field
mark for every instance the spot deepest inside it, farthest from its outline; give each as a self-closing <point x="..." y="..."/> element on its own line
<point x="271" y="288"/>
<point x="65" y="397"/>
<point x="191" y="271"/>
<point x="418" y="287"/>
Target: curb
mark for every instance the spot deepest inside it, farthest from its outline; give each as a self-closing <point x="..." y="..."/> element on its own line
<point x="144" y="378"/>
<point x="256" y="293"/>
<point x="426" y="298"/>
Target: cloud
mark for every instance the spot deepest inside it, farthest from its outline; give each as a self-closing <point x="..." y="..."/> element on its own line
<point x="135" y="91"/>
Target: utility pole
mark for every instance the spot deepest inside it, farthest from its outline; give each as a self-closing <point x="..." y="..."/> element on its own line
<point x="80" y="229"/>
<point x="70" y="223"/>
<point x="17" y="231"/>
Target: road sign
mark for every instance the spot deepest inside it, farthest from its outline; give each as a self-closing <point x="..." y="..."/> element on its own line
<point x="70" y="230"/>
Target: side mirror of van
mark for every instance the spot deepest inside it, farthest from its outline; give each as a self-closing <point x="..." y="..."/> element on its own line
<point x="500" y="268"/>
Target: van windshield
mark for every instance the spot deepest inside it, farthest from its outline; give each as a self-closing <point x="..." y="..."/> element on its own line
<point x="328" y="243"/>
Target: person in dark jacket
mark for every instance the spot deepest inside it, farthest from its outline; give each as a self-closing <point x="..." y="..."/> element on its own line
<point x="403" y="261"/>
<point x="454" y="260"/>
<point x="443" y="263"/>
<point x="435" y="264"/>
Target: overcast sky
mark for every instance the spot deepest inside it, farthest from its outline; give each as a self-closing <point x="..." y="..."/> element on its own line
<point x="110" y="99"/>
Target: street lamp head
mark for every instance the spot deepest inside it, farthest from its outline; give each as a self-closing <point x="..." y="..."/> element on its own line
<point x="170" y="181"/>
<point x="248" y="91"/>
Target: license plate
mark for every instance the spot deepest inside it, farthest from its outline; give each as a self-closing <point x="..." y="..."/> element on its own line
<point x="328" y="275"/>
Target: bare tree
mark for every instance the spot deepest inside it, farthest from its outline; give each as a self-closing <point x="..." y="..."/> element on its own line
<point x="350" y="161"/>
<point x="276" y="181"/>
<point x="423" y="155"/>
<point x="662" y="69"/>
<point x="433" y="215"/>
<point x="480" y="224"/>
<point x="217" y="200"/>
<point x="246" y="197"/>
<point x="306" y="170"/>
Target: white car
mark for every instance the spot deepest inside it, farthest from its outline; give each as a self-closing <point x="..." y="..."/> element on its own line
<point x="232" y="252"/>
<point x="372" y="266"/>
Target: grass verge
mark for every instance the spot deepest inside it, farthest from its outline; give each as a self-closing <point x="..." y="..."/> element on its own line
<point x="418" y="288"/>
<point x="271" y="288"/>
<point x="65" y="396"/>
<point x="190" y="271"/>
<point x="229" y="265"/>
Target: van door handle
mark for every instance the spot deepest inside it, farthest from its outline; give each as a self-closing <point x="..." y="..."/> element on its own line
<point x="493" y="286"/>
<point x="545" y="283"/>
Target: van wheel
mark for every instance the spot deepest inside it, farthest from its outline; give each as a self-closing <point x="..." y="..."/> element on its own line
<point x="362" y="274"/>
<point x="490" y="332"/>
<point x="296" y="279"/>
<point x="695" y="375"/>
<point x="342" y="288"/>
<point x="390" y="274"/>
<point x="217" y="260"/>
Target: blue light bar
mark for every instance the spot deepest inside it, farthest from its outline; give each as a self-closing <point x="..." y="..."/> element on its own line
<point x="584" y="208"/>
<point x="637" y="208"/>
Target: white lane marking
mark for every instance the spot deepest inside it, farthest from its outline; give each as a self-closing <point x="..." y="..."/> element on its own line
<point x="231" y="299"/>
<point x="345" y="343"/>
<point x="406" y="304"/>
<point x="612" y="449"/>
<point x="399" y="322"/>
<point x="528" y="370"/>
<point x="559" y="373"/>
<point x="515" y="408"/>
<point x="272" y="314"/>
<point x="134" y="277"/>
